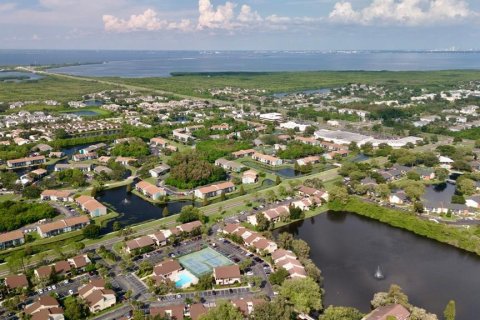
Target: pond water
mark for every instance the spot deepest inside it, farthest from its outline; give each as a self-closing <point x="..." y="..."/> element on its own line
<point x="69" y="151"/>
<point x="348" y="249"/>
<point x="438" y="194"/>
<point x="15" y="76"/>
<point x="287" y="172"/>
<point x="85" y="113"/>
<point x="133" y="209"/>
<point x="307" y="92"/>
<point x="93" y="103"/>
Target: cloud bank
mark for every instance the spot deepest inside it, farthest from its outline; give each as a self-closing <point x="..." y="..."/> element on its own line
<point x="402" y="12"/>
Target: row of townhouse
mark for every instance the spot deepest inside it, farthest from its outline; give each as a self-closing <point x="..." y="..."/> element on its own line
<point x="26" y="162"/>
<point x="57" y="195"/>
<point x="195" y="311"/>
<point x="267" y="159"/>
<point x="93" y="207"/>
<point x="243" y="153"/>
<point x="160" y="170"/>
<point x="97" y="296"/>
<point x="184" y="134"/>
<point x="162" y="143"/>
<point x="160" y="238"/>
<point x="273" y="215"/>
<point x="229" y="165"/>
<point x="214" y="190"/>
<point x="250" y="176"/>
<point x="84" y="156"/>
<point x="11" y="239"/>
<point x="44" y="308"/>
<point x="63" y="267"/>
<point x="149" y="190"/>
<point x="287" y="260"/>
<point x="92" y="148"/>
<point x="61" y="226"/>
<point x="251" y="238"/>
<point x="84" y="167"/>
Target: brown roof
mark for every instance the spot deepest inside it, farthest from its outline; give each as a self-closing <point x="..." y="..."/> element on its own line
<point x="89" y="203"/>
<point x="12" y="235"/>
<point x="227" y="272"/>
<point x="231" y="227"/>
<point x="60" y="224"/>
<point x="26" y="159"/>
<point x="148" y="187"/>
<point x="298" y="271"/>
<point x="141" y="242"/>
<point x="62" y="267"/>
<point x="97" y="295"/>
<point x="166" y="267"/>
<point x="79" y="261"/>
<point x="16" y="281"/>
<point x="45" y="314"/>
<point x="196" y="310"/>
<point x="280" y="253"/>
<point x="174" y="312"/>
<point x="246" y="305"/>
<point x="216" y="187"/>
<point x="44" y="271"/>
<point x="396" y="310"/>
<point x="159" y="236"/>
<point x="190" y="226"/>
<point x="42" y="302"/>
<point x="265" y="157"/>
<point x="57" y="193"/>
<point x="94" y="284"/>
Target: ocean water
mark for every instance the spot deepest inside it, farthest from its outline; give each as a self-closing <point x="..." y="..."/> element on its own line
<point x="163" y="63"/>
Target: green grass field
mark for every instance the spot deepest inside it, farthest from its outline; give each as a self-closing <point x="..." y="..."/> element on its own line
<point x="51" y="87"/>
<point x="189" y="84"/>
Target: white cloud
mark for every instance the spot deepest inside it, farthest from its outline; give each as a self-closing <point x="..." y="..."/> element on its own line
<point x="402" y="12"/>
<point x="147" y="21"/>
<point x="222" y="17"/>
<point x="247" y="15"/>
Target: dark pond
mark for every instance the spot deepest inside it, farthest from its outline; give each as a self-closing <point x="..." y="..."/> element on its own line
<point x="85" y="113"/>
<point x="69" y="151"/>
<point x="15" y="76"/>
<point x="307" y="92"/>
<point x="93" y="103"/>
<point x="287" y="172"/>
<point x="348" y="248"/>
<point x="133" y="209"/>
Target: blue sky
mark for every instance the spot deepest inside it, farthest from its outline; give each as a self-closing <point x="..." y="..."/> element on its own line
<point x="240" y="24"/>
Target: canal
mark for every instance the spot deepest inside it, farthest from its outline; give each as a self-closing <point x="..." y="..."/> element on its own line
<point x="348" y="248"/>
<point x="133" y="209"/>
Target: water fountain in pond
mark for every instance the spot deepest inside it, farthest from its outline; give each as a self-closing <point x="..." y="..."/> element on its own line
<point x="126" y="201"/>
<point x="379" y="274"/>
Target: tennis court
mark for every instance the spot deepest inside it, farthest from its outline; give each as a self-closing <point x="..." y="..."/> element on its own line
<point x="203" y="261"/>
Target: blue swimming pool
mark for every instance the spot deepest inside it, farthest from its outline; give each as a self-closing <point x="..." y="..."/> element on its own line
<point x="184" y="278"/>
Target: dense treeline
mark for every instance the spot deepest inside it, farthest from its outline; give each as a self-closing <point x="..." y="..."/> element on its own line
<point x="460" y="238"/>
<point x="211" y="150"/>
<point x="297" y="150"/>
<point x="14" y="215"/>
<point x="135" y="149"/>
<point x="189" y="170"/>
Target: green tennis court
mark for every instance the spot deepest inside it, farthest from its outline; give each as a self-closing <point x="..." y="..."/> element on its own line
<point x="203" y="261"/>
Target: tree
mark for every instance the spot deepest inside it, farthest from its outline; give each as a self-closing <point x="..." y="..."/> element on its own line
<point x="285" y="240"/>
<point x="338" y="195"/>
<point x="304" y="294"/>
<point x="223" y="310"/>
<point x="31" y="192"/>
<point x="241" y="190"/>
<point x="117" y="226"/>
<point x="421" y="314"/>
<point x="394" y="295"/>
<point x="279" y="276"/>
<point x="129" y="188"/>
<point x="300" y="248"/>
<point x="271" y="196"/>
<point x="466" y="186"/>
<point x="204" y="282"/>
<point x="341" y="313"/>
<point x="449" y="313"/>
<point x="188" y="214"/>
<point x="414" y="190"/>
<point x="418" y="207"/>
<point x="278" y="309"/>
<point x="75" y="309"/>
<point x="165" y="212"/>
<point x="245" y="263"/>
<point x="295" y="213"/>
<point x="262" y="222"/>
<point x="441" y="174"/>
<point x="92" y="231"/>
<point x="278" y="180"/>
<point x="312" y="271"/>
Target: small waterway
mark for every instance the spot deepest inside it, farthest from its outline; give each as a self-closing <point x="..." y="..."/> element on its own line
<point x="349" y="248"/>
<point x="133" y="209"/>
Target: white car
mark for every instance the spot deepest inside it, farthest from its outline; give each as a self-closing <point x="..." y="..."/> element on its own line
<point x="49" y="288"/>
<point x="66" y="281"/>
<point x="54" y="287"/>
<point x="250" y="273"/>
<point x="40" y="291"/>
<point x="70" y="292"/>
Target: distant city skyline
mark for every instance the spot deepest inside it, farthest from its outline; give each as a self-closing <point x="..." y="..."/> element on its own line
<point x="240" y="24"/>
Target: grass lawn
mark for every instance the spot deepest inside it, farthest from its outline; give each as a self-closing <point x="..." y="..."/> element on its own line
<point x="12" y="196"/>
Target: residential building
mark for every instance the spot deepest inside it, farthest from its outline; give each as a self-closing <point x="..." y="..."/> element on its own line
<point x="196" y="311"/>
<point x="45" y="308"/>
<point x="93" y="148"/>
<point x="227" y="275"/>
<point x="229" y="165"/>
<point x="159" y="170"/>
<point x="308" y="160"/>
<point x="96" y="296"/>
<point x="189" y="226"/>
<point x="394" y="311"/>
<point x="399" y="197"/>
<point x="174" y="312"/>
<point x="139" y="243"/>
<point x="16" y="281"/>
<point x="125" y="161"/>
<point x="84" y="167"/>
<point x="159" y="142"/>
<point x="247" y="305"/>
<point x="26" y="162"/>
<point x="43" y="272"/>
<point x="79" y="262"/>
<point x="214" y="190"/>
<point x="92" y="206"/>
<point x="243" y="153"/>
<point x="266" y="159"/>
<point x="250" y="176"/>
<point x="84" y="156"/>
<point x="308" y="140"/>
<point x="473" y="201"/>
<point x="11" y="239"/>
<point x="150" y="190"/>
<point x="167" y="269"/>
<point x="61" y="226"/>
<point x="56" y="195"/>
<point x="271" y="117"/>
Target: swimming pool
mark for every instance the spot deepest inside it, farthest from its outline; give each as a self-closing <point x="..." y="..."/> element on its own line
<point x="185" y="279"/>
